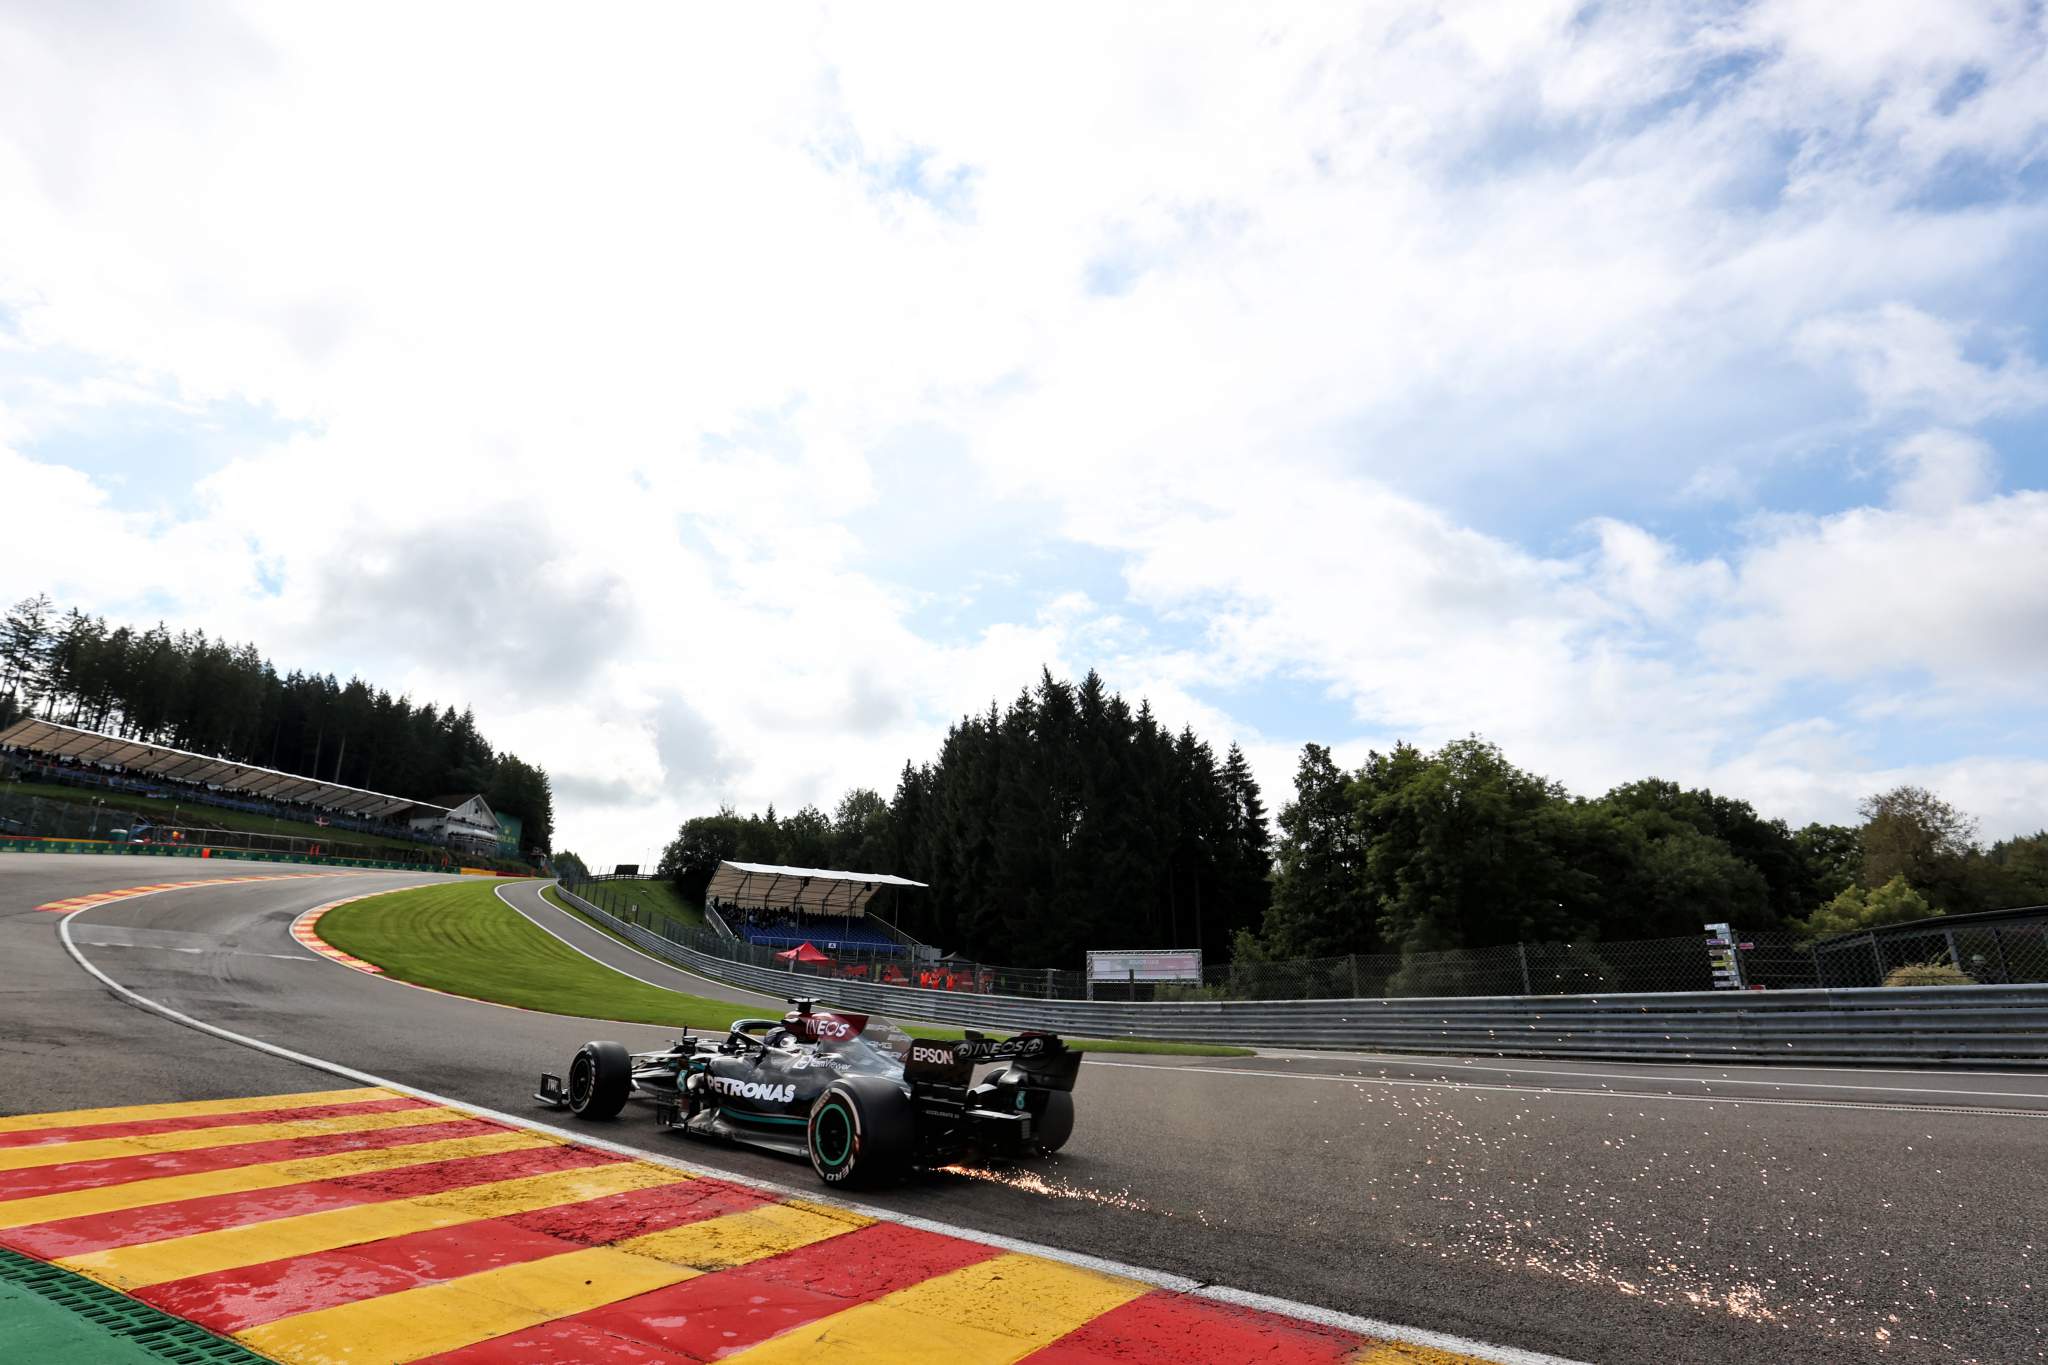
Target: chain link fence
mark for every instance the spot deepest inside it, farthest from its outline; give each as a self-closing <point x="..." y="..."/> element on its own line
<point x="2013" y="951"/>
<point x="2002" y="948"/>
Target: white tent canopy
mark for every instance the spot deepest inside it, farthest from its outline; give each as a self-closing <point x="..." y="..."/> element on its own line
<point x="88" y="746"/>
<point x="812" y="890"/>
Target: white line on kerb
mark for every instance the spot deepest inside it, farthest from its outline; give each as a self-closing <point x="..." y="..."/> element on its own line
<point x="1180" y="1284"/>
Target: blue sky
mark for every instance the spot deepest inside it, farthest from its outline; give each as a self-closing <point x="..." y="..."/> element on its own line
<point x="1652" y="389"/>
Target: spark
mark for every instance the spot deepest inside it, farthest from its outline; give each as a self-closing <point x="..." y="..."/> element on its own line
<point x="1032" y="1183"/>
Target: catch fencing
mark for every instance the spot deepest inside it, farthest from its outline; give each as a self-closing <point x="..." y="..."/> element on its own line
<point x="1934" y="1026"/>
<point x="2013" y="952"/>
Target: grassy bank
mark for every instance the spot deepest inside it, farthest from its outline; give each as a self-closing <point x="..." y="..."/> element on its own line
<point x="462" y="939"/>
<point x="651" y="895"/>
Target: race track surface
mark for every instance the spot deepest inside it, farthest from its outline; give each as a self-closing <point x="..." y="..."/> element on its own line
<point x="1598" y="1211"/>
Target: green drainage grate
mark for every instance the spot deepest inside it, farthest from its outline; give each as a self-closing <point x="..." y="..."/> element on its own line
<point x="64" y="1317"/>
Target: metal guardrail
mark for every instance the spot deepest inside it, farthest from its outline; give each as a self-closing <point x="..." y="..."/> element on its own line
<point x="1932" y="1025"/>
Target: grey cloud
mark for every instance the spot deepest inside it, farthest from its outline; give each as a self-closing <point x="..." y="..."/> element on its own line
<point x="473" y="599"/>
<point x="868" y="707"/>
<point x="595" y="791"/>
<point x="688" y="747"/>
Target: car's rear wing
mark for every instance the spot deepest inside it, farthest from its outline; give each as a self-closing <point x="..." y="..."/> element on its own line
<point x="1046" y="1061"/>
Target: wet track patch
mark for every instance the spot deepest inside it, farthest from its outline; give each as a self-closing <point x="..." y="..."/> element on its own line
<point x="367" y="1225"/>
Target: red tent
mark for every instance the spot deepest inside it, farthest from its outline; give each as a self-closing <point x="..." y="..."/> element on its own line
<point x="803" y="952"/>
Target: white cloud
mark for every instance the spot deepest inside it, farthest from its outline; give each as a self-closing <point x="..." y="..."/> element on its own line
<point x="602" y="348"/>
<point x="1905" y="360"/>
<point x="1940" y="470"/>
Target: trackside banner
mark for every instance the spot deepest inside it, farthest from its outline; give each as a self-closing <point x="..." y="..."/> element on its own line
<point x="1153" y="964"/>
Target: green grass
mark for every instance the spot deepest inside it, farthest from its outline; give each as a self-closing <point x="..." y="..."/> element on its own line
<point x="649" y="894"/>
<point x="463" y="939"/>
<point x="202" y="817"/>
<point x="554" y="898"/>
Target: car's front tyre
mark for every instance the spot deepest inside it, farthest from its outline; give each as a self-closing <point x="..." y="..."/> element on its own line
<point x="600" y="1079"/>
<point x="861" y="1132"/>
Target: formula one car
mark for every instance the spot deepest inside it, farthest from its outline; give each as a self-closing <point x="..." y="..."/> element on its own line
<point x="862" y="1100"/>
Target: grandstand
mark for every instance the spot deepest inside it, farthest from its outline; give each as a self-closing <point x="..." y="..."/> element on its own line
<point x="782" y="907"/>
<point x="45" y="750"/>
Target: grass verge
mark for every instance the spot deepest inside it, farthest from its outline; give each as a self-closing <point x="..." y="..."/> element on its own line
<point x="462" y="939"/>
<point x="651" y="895"/>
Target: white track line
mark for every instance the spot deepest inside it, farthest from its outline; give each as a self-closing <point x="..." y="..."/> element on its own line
<point x="1623" y="1096"/>
<point x="627" y="946"/>
<point x="1332" y="1054"/>
<point x="1699" y="1080"/>
<point x="312" y="956"/>
<point x="1369" y="1327"/>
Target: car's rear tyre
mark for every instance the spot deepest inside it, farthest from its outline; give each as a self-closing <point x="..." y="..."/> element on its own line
<point x="861" y="1133"/>
<point x="600" y="1078"/>
<point x="1055" y="1122"/>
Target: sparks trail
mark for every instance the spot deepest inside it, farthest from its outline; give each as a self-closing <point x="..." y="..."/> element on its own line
<point x="1491" y="1195"/>
<point x="1032" y="1183"/>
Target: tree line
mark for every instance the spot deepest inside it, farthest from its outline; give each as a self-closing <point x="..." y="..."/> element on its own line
<point x="1070" y="820"/>
<point x="1066" y="821"/>
<point x="1459" y="848"/>
<point x="210" y="696"/>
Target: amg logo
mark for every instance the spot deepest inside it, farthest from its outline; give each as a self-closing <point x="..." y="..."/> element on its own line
<point x="753" y="1090"/>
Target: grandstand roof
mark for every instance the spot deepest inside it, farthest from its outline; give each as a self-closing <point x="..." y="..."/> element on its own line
<point x="158" y="760"/>
<point x="813" y="890"/>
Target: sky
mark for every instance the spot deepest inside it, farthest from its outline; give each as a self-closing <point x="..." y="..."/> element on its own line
<point x="721" y="404"/>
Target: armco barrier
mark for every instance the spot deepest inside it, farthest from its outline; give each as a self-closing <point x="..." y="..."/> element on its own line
<point x="1931" y="1025"/>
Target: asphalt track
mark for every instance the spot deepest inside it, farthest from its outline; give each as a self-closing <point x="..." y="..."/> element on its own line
<point x="1600" y="1211"/>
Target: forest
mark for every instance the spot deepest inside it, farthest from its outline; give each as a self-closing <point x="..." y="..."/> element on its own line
<point x="210" y="696"/>
<point x="1070" y="820"/>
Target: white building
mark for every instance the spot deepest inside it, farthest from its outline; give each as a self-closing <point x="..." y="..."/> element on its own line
<point x="469" y="825"/>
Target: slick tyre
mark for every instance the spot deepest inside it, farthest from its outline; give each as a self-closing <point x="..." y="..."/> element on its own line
<point x="600" y="1078"/>
<point x="1055" y="1122"/>
<point x="861" y="1133"/>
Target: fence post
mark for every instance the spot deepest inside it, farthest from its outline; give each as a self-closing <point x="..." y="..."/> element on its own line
<point x="1522" y="952"/>
<point x="1354" y="976"/>
<point x="1998" y="948"/>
